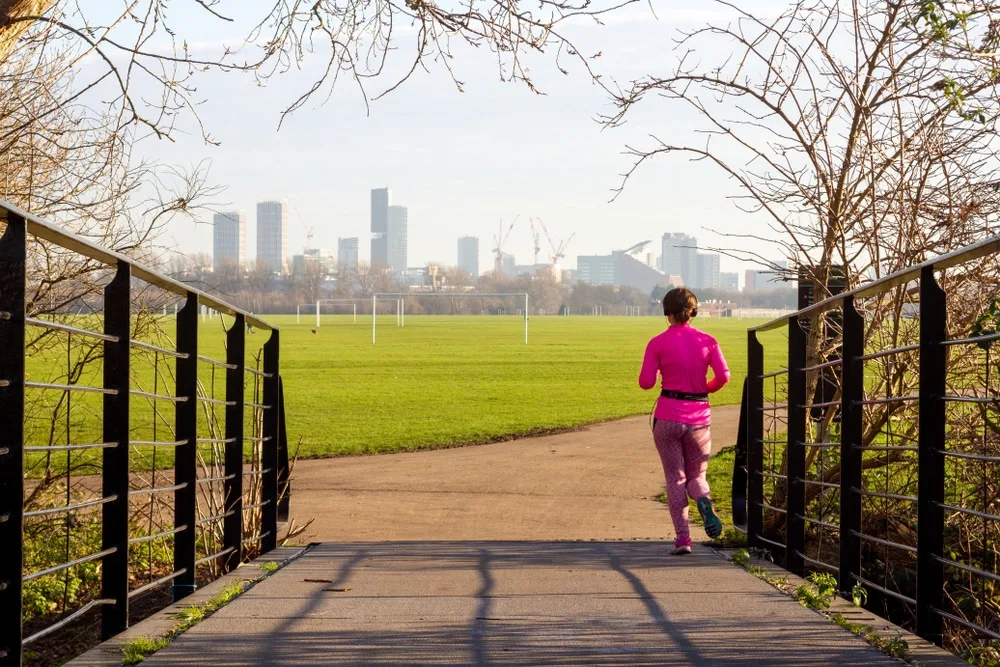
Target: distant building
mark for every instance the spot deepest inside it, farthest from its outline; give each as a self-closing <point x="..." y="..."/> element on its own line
<point x="272" y="235"/>
<point x="707" y="271"/>
<point x="229" y="240"/>
<point x="396" y="239"/>
<point x="468" y="255"/>
<point x="680" y="257"/>
<point x="347" y="253"/>
<point x="380" y="226"/>
<point x="773" y="279"/>
<point x="749" y="280"/>
<point x="509" y="265"/>
<point x="314" y="261"/>
<point x="618" y="268"/>
<point x="596" y="269"/>
<point x="729" y="282"/>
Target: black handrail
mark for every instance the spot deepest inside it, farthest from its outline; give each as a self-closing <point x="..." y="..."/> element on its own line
<point x="760" y="448"/>
<point x="115" y="447"/>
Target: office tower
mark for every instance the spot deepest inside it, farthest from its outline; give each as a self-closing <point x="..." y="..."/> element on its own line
<point x="272" y="235"/>
<point x="468" y="255"/>
<point x="229" y="240"/>
<point x="347" y="253"/>
<point x="729" y="281"/>
<point x="380" y="226"/>
<point x="509" y="265"/>
<point x="749" y="280"/>
<point x="680" y="257"/>
<point x="396" y="233"/>
<point x="707" y="272"/>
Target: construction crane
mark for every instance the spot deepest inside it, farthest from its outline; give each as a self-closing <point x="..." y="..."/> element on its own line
<point x="498" y="243"/>
<point x="308" y="229"/>
<point x="558" y="252"/>
<point x="537" y="238"/>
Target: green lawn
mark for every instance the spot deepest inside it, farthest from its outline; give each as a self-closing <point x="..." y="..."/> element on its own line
<point x="451" y="380"/>
<point x="440" y="381"/>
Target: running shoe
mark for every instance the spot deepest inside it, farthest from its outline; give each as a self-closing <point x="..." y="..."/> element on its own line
<point x="713" y="524"/>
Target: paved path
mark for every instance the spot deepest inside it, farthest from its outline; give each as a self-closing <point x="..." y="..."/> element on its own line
<point x="595" y="483"/>
<point x="513" y="603"/>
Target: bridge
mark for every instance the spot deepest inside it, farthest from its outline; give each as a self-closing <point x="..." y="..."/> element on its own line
<point x="836" y="472"/>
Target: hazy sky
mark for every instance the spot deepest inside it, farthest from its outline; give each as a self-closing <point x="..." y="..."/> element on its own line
<point x="461" y="162"/>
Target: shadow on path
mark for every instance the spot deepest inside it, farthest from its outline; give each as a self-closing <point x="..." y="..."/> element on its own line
<point x="513" y="603"/>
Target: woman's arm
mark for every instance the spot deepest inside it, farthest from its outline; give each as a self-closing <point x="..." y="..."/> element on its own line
<point x="720" y="371"/>
<point x="650" y="368"/>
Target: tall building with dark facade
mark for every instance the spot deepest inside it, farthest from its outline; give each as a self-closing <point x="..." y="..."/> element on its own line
<point x="272" y="235"/>
<point x="380" y="226"/>
<point x="347" y="253"/>
<point x="468" y="255"/>
<point x="229" y="240"/>
<point x="396" y="239"/>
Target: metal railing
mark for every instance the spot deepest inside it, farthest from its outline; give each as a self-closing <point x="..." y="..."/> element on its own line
<point x="120" y="460"/>
<point x="839" y="478"/>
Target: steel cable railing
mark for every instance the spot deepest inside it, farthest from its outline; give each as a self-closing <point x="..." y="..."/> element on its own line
<point x="886" y="477"/>
<point x="110" y="503"/>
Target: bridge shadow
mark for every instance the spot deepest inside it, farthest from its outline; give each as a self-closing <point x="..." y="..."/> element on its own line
<point x="513" y="603"/>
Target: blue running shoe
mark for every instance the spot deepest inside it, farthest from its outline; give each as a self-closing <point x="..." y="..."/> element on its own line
<point x="713" y="524"/>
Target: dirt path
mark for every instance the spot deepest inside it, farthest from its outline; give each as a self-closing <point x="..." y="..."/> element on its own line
<point x="596" y="483"/>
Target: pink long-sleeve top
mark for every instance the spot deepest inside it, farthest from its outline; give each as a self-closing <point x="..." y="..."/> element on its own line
<point x="683" y="355"/>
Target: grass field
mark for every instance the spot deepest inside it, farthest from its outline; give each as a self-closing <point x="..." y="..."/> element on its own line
<point x="451" y="380"/>
<point x="439" y="381"/>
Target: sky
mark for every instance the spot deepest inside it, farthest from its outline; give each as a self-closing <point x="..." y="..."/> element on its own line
<point x="461" y="162"/>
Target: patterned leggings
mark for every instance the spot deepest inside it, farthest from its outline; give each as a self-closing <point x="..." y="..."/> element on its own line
<point x="684" y="452"/>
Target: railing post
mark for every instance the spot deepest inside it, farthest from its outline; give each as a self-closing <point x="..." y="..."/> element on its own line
<point x="284" y="482"/>
<point x="931" y="444"/>
<point x="755" y="440"/>
<point x="233" y="522"/>
<point x="115" y="530"/>
<point x="739" y="489"/>
<point x="269" y="447"/>
<point x="795" y="499"/>
<point x="186" y="455"/>
<point x="851" y="431"/>
<point x="13" y="253"/>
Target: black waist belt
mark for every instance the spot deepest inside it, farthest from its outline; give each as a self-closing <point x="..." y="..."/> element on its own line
<point x="683" y="395"/>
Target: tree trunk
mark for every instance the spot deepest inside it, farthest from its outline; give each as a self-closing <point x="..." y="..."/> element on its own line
<point x="11" y="28"/>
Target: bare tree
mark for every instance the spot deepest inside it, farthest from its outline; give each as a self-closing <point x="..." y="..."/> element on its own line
<point x="859" y="134"/>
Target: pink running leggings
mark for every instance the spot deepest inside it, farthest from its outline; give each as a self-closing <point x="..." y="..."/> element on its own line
<point x="684" y="452"/>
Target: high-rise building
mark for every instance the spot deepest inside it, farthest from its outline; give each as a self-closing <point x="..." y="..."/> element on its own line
<point x="272" y="235"/>
<point x="380" y="226"/>
<point x="729" y="281"/>
<point x="509" y="265"/>
<point x="749" y="280"/>
<point x="229" y="240"/>
<point x="468" y="255"/>
<point x="707" y="271"/>
<point x="396" y="238"/>
<point x="347" y="253"/>
<point x="680" y="257"/>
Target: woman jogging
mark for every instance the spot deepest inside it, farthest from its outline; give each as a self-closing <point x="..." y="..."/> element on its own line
<point x="682" y="355"/>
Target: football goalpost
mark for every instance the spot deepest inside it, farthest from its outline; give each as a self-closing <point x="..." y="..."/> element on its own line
<point x="400" y="299"/>
<point x="319" y="308"/>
